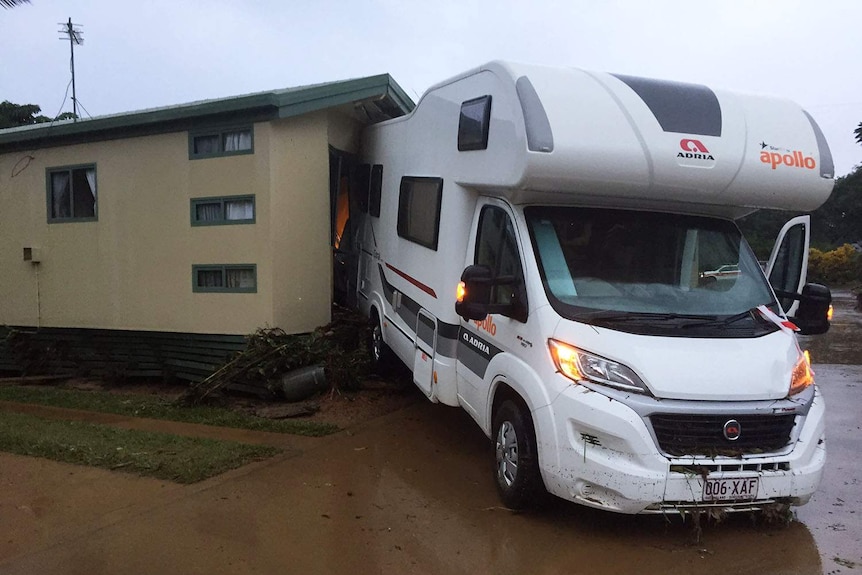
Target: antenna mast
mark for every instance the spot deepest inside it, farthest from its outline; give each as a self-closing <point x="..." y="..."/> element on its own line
<point x="75" y="36"/>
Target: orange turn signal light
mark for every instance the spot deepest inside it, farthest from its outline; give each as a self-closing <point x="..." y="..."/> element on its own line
<point x="566" y="359"/>
<point x="460" y="292"/>
<point x="830" y="312"/>
<point x="803" y="375"/>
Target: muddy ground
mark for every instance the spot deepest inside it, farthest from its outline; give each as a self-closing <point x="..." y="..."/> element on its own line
<point x="411" y="492"/>
<point x="374" y="398"/>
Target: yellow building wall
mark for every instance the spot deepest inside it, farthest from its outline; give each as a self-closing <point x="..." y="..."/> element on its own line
<point x="344" y="132"/>
<point x="132" y="269"/>
<point x="299" y="223"/>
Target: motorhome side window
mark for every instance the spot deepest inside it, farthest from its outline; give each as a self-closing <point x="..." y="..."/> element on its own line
<point x="473" y="124"/>
<point x="497" y="248"/>
<point x="361" y="178"/>
<point x="374" y="191"/>
<point x="419" y="210"/>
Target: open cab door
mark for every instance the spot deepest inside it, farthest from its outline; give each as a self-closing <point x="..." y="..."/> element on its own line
<point x="807" y="305"/>
<point x="787" y="269"/>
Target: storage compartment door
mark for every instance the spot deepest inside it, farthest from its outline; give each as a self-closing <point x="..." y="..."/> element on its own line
<point x="423" y="361"/>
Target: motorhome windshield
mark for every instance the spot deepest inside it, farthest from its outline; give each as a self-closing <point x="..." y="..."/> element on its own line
<point x="652" y="273"/>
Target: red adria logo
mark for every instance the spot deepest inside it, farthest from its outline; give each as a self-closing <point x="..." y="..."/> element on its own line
<point x="693" y="150"/>
<point x="693" y="146"/>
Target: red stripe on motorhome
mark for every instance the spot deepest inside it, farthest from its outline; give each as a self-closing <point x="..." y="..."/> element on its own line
<point x="413" y="281"/>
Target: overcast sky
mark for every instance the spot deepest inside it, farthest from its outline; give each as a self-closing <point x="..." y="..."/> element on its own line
<point x="161" y="52"/>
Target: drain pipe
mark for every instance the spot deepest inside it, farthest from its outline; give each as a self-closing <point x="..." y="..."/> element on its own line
<point x="38" y="298"/>
<point x="34" y="256"/>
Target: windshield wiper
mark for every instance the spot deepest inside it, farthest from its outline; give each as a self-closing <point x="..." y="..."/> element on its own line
<point x="714" y="321"/>
<point x="687" y="320"/>
<point x="633" y="316"/>
<point x="749" y="313"/>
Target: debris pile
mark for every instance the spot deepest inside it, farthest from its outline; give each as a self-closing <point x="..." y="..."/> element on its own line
<point x="264" y="367"/>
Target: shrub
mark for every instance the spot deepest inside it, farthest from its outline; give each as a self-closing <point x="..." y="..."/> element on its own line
<point x="840" y="266"/>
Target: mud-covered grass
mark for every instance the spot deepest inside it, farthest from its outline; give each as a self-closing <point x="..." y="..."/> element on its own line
<point x="155" y="407"/>
<point x="159" y="455"/>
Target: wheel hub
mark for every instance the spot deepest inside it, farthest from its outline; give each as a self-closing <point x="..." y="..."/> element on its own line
<point x="376" y="342"/>
<point x="507" y="454"/>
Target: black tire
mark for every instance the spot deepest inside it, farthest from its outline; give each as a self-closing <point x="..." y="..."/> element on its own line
<point x="516" y="462"/>
<point x="380" y="353"/>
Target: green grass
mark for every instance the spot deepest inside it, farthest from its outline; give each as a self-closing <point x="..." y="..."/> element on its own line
<point x="160" y="455"/>
<point x="153" y="407"/>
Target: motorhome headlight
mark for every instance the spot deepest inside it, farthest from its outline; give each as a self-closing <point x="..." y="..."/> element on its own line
<point x="579" y="365"/>
<point x="803" y="375"/>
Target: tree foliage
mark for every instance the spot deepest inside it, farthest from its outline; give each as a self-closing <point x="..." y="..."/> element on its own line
<point x="858" y="132"/>
<point x="838" y="221"/>
<point x="12" y="115"/>
<point x="13" y="3"/>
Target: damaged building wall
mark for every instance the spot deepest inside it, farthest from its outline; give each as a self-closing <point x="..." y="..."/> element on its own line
<point x="130" y="266"/>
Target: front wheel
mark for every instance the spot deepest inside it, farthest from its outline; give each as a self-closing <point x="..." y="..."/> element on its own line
<point x="516" y="469"/>
<point x="381" y="355"/>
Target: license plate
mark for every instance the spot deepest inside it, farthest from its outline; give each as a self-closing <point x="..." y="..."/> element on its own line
<point x="743" y="488"/>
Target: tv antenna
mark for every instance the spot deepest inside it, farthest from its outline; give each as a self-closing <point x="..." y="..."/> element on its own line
<point x="73" y="33"/>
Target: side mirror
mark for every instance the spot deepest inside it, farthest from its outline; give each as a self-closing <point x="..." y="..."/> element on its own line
<point x="812" y="317"/>
<point x="474" y="293"/>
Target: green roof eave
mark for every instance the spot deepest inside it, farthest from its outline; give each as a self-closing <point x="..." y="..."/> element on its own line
<point x="261" y="106"/>
<point x="292" y="102"/>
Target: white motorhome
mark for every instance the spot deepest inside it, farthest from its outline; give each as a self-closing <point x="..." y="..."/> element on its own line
<point x="612" y="332"/>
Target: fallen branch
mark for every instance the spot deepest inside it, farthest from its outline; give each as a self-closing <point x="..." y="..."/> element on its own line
<point x="270" y="352"/>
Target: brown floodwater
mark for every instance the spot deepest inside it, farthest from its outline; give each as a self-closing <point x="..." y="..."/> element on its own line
<point x="411" y="493"/>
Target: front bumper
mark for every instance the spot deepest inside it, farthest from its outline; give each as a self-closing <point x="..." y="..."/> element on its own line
<point x="607" y="457"/>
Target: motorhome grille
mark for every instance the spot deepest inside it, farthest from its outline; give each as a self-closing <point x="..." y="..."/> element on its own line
<point x="704" y="434"/>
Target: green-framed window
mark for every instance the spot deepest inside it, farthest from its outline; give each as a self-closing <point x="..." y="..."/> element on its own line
<point x="217" y="142"/>
<point x="224" y="278"/>
<point x="71" y="193"/>
<point x="223" y="210"/>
